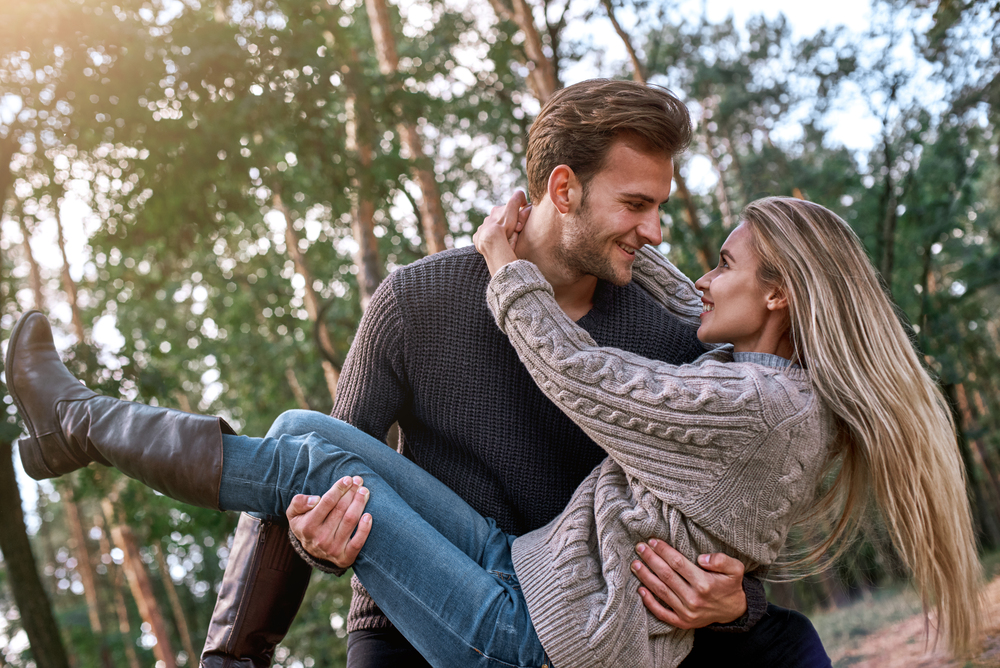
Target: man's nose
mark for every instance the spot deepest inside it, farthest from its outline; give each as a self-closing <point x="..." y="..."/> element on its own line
<point x="649" y="229"/>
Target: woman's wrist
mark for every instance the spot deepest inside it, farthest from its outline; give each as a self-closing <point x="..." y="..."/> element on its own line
<point x="498" y="254"/>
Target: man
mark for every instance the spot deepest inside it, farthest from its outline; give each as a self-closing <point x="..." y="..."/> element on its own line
<point x="428" y="356"/>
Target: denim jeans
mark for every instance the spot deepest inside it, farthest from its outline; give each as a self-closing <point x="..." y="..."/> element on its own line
<point x="440" y="571"/>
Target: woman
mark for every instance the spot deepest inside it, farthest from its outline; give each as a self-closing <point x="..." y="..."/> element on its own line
<point x="720" y="455"/>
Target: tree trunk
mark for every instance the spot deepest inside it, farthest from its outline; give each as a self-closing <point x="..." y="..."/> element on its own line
<point x="690" y="211"/>
<point x="331" y="372"/>
<point x="8" y="145"/>
<point x="363" y="209"/>
<point x="986" y="522"/>
<point x="297" y="392"/>
<point x="432" y="218"/>
<point x="32" y="601"/>
<point x="35" y="272"/>
<point x="85" y="567"/>
<point x="175" y="602"/>
<point x="638" y="72"/>
<point x="889" y="200"/>
<point x="142" y="588"/>
<point x="710" y="107"/>
<point x="124" y="627"/>
<point x="84" y="564"/>
<point x="542" y="75"/>
<point x="69" y="285"/>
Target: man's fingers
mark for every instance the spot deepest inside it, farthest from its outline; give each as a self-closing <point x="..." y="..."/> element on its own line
<point x="722" y="563"/>
<point x="350" y="517"/>
<point x="300" y="505"/>
<point x="326" y="505"/>
<point x="670" y="566"/>
<point x="660" y="611"/>
<point x="359" y="538"/>
<point x="677" y="562"/>
<point x="665" y="585"/>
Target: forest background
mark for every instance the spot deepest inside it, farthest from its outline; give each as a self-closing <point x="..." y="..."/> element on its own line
<point x="237" y="177"/>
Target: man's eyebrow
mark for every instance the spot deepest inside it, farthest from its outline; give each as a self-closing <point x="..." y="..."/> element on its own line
<point x="639" y="196"/>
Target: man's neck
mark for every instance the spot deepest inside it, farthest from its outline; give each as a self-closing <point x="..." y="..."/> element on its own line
<point x="574" y="292"/>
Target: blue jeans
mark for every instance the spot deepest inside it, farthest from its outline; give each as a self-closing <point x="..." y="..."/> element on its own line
<point x="440" y="571"/>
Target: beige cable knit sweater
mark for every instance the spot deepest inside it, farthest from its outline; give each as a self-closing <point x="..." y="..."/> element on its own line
<point x="714" y="456"/>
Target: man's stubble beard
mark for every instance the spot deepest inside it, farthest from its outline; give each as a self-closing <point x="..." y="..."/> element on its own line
<point x="583" y="249"/>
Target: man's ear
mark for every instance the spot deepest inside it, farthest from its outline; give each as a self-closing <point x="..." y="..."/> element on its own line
<point x="564" y="189"/>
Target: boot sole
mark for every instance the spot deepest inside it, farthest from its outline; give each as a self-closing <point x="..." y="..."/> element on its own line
<point x="31" y="456"/>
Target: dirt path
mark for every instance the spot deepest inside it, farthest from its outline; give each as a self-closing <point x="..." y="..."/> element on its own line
<point x="904" y="645"/>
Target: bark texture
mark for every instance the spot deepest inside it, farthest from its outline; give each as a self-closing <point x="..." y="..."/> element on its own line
<point x="29" y="595"/>
<point x="139" y="583"/>
<point x="312" y="301"/>
<point x="432" y="218"/>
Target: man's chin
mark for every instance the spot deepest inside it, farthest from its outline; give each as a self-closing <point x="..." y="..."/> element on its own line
<point x="620" y="277"/>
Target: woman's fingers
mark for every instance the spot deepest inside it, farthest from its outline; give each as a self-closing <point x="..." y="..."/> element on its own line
<point x="522" y="216"/>
<point x="512" y="212"/>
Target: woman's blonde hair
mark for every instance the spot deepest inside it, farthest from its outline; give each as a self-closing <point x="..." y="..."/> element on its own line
<point x="896" y="442"/>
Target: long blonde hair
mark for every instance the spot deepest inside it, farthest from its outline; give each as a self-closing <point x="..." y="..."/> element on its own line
<point x="896" y="441"/>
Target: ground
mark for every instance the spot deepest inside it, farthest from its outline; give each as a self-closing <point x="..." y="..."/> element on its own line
<point x="903" y="643"/>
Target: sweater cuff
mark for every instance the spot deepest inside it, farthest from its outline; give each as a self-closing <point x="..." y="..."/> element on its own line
<point x="320" y="564"/>
<point x="364" y="614"/>
<point x="753" y="588"/>
<point x="509" y="284"/>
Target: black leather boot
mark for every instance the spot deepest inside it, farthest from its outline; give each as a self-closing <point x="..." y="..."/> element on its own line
<point x="265" y="569"/>
<point x="178" y="454"/>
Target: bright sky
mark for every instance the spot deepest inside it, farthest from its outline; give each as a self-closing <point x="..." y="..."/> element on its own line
<point x="806" y="18"/>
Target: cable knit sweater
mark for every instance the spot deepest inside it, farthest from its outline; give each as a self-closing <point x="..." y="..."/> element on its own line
<point x="715" y="456"/>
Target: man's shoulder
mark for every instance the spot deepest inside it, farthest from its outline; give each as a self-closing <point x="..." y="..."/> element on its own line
<point x="451" y="259"/>
<point x="455" y="274"/>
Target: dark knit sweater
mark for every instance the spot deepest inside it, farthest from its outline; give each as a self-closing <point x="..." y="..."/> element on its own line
<point x="429" y="355"/>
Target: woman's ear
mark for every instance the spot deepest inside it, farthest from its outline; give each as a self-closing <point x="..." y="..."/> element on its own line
<point x="563" y="188"/>
<point x="776" y="300"/>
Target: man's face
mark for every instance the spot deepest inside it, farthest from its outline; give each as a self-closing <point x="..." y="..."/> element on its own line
<point x="618" y="215"/>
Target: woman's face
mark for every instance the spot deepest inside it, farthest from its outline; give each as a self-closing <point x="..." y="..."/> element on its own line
<point x="735" y="305"/>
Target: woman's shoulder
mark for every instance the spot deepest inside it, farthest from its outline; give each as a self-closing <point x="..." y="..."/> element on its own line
<point x="785" y="389"/>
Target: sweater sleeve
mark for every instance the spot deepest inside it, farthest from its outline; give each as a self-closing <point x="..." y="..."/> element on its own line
<point x="673" y="428"/>
<point x="372" y="389"/>
<point x="667" y="285"/>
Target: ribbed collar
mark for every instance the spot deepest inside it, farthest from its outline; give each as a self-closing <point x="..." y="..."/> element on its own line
<point x="765" y="359"/>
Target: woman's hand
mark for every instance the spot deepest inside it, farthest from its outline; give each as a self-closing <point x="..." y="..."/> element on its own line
<point x="496" y="238"/>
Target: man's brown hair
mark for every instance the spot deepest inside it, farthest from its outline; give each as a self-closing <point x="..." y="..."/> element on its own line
<point x="580" y="123"/>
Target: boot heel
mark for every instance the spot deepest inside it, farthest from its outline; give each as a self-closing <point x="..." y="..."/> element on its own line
<point x="31" y="459"/>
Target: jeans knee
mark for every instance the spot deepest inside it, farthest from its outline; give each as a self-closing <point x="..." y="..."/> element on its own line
<point x="293" y="422"/>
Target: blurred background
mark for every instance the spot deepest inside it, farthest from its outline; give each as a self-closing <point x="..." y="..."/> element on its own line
<point x="203" y="195"/>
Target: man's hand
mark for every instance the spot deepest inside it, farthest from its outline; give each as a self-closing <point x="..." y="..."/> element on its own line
<point x="324" y="524"/>
<point x="496" y="238"/>
<point x="681" y="594"/>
